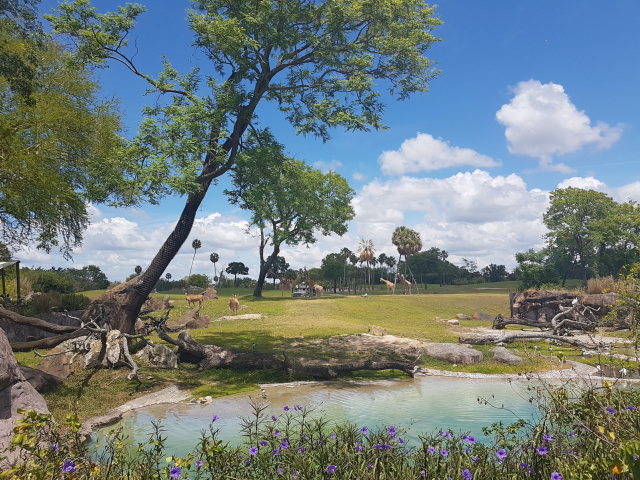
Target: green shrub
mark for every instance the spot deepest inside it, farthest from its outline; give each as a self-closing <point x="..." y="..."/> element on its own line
<point x="46" y="281"/>
<point x="45" y="302"/>
<point x="74" y="301"/>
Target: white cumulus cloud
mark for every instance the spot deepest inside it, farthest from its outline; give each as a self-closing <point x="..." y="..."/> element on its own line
<point x="333" y="165"/>
<point x="542" y="122"/>
<point x="423" y="153"/>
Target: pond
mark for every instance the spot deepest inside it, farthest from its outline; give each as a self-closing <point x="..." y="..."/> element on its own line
<point x="416" y="405"/>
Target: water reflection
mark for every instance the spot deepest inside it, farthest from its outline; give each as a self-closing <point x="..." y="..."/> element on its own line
<point x="417" y="405"/>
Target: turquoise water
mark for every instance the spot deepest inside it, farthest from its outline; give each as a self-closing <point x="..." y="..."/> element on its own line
<point x="416" y="405"/>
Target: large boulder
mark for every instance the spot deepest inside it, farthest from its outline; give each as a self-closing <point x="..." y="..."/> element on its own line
<point x="503" y="355"/>
<point x="159" y="356"/>
<point x="15" y="393"/>
<point x="154" y="304"/>
<point x="58" y="362"/>
<point x="454" y="353"/>
<point x="210" y="294"/>
<point x="41" y="381"/>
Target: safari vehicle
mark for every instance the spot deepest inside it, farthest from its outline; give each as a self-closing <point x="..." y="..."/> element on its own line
<point x="303" y="291"/>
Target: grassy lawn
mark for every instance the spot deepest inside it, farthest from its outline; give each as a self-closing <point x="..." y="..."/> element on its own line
<point x="298" y="327"/>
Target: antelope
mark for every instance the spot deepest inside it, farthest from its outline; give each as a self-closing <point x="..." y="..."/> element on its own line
<point x="194" y="298"/>
<point x="234" y="304"/>
<point x="388" y="284"/>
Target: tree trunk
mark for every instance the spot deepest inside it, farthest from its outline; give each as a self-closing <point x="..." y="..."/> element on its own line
<point x="35" y="322"/>
<point x="47" y="342"/>
<point x="265" y="266"/>
<point x="138" y="291"/>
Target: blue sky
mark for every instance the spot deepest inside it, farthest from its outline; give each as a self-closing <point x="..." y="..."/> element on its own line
<point x="532" y="96"/>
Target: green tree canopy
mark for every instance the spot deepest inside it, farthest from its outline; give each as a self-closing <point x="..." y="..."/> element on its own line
<point x="235" y="269"/>
<point x="289" y="201"/>
<point x="322" y="63"/>
<point x="57" y="153"/>
<point x="333" y="268"/>
<point x="535" y="269"/>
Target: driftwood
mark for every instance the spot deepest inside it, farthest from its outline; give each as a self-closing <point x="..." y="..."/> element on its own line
<point x="211" y="357"/>
<point x="506" y="338"/>
<point x="34" y="322"/>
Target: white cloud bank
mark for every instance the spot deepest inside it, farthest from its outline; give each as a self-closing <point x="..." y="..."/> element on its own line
<point x="423" y="153"/>
<point x="333" y="165"/>
<point x="542" y="122"/>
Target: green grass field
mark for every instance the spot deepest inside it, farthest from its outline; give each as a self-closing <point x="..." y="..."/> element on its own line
<point x="297" y="327"/>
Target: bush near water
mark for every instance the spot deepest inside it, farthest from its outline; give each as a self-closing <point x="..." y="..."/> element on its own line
<point x="593" y="433"/>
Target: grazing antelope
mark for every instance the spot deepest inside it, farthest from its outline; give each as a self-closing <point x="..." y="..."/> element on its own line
<point x="234" y="304"/>
<point x="388" y="284"/>
<point x="194" y="298"/>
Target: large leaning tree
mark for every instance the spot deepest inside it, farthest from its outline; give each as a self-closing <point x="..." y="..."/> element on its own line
<point x="290" y="202"/>
<point x="322" y="62"/>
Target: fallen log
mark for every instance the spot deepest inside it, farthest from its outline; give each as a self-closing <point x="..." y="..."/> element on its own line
<point x="212" y="357"/>
<point x="48" y="342"/>
<point x="500" y="322"/>
<point x="494" y="339"/>
<point x="34" y="322"/>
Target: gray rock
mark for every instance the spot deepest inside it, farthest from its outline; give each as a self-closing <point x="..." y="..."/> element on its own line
<point x="453" y="322"/>
<point x="41" y="381"/>
<point x="462" y="316"/>
<point x="483" y="316"/>
<point x="503" y="355"/>
<point x="159" y="356"/>
<point x="58" y="363"/>
<point x="454" y="353"/>
<point x="15" y="393"/>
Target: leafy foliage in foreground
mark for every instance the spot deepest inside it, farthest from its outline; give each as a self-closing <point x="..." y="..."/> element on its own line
<point x="591" y="434"/>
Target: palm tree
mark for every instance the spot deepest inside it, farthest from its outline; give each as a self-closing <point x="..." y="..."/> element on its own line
<point x="367" y="253"/>
<point x="382" y="260"/>
<point x="138" y="270"/>
<point x="214" y="257"/>
<point x="408" y="243"/>
<point x="168" y="276"/>
<point x="196" y="244"/>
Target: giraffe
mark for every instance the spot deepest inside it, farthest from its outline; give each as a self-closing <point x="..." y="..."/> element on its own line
<point x="285" y="283"/>
<point x="388" y="284"/>
<point x="406" y="284"/>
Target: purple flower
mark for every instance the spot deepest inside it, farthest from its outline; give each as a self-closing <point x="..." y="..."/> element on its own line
<point x="475" y="460"/>
<point x="284" y="445"/>
<point x="54" y="447"/>
<point x="274" y="418"/>
<point x="432" y="450"/>
<point x="631" y="408"/>
<point x="277" y="433"/>
<point x="253" y="450"/>
<point x="263" y="443"/>
<point x="364" y="430"/>
<point x="175" y="472"/>
<point x="572" y="435"/>
<point x="199" y="463"/>
<point x="542" y="450"/>
<point x="276" y="452"/>
<point x="466" y="474"/>
<point x="392" y="431"/>
<point x="358" y="446"/>
<point x="524" y="465"/>
<point x="444" y="453"/>
<point x="68" y="466"/>
<point x="547" y="438"/>
<point x="286" y="409"/>
<point x="332" y="469"/>
<point x="501" y="454"/>
<point x="295" y="474"/>
<point x="556" y="476"/>
<point x="635" y="458"/>
<point x="445" y="434"/>
<point x="400" y="440"/>
<point x="387" y="446"/>
<point x="301" y="449"/>
<point x="609" y="410"/>
<point x="423" y="473"/>
<point x="379" y="446"/>
<point x="246" y="463"/>
<point x="470" y="439"/>
<point x="333" y="435"/>
<point x="280" y="471"/>
<point x="215" y="417"/>
<point x="467" y="451"/>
